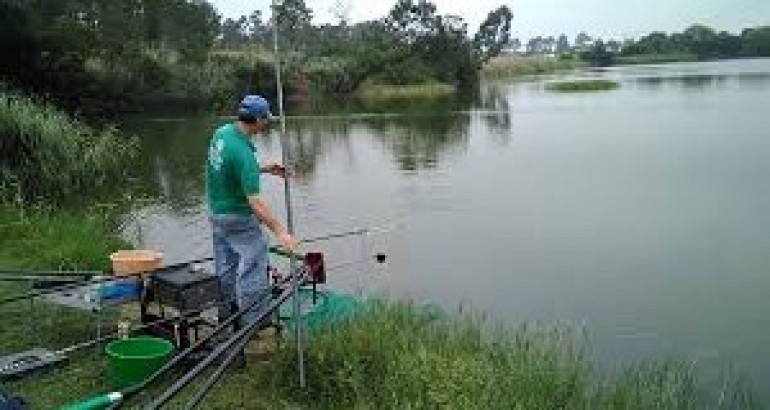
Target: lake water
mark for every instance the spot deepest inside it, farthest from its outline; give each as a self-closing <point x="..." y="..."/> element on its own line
<point x="641" y="215"/>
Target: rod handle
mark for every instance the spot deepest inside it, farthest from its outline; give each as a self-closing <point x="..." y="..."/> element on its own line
<point x="95" y="403"/>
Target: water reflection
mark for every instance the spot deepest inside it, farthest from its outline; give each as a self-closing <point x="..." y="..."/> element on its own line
<point x="418" y="142"/>
<point x="309" y="140"/>
<point x="692" y="81"/>
<point x="340" y="104"/>
<point x="170" y="171"/>
<point x="496" y="113"/>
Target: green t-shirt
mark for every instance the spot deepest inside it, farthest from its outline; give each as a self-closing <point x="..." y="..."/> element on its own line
<point x="232" y="172"/>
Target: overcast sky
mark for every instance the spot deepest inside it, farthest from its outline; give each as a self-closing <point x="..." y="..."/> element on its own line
<point x="605" y="18"/>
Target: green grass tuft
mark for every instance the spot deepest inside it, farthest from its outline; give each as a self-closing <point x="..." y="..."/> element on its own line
<point x="378" y="92"/>
<point x="582" y="86"/>
<point x="516" y="66"/>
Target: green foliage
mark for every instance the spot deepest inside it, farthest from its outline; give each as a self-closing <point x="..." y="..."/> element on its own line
<point x="703" y="42"/>
<point x="374" y="92"/>
<point x="51" y="157"/>
<point x="398" y="355"/>
<point x="655" y="58"/>
<point x="755" y="42"/>
<point x="294" y="18"/>
<point x="493" y="34"/>
<point x="511" y="66"/>
<point x="402" y="356"/>
<point x="101" y="56"/>
<point x="582" y="85"/>
<point x="598" y="55"/>
<point x="413" y="44"/>
<point x="334" y="75"/>
<point x="41" y="237"/>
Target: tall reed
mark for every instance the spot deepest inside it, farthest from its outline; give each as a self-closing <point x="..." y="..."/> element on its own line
<point x="50" y="157"/>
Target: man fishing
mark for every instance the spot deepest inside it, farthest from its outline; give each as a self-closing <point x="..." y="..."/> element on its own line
<point x="238" y="208"/>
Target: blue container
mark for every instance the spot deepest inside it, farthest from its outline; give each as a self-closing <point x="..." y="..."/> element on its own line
<point x="125" y="289"/>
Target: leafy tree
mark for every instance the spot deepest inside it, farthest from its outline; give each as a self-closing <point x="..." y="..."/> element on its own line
<point x="756" y="42"/>
<point x="534" y="45"/>
<point x="494" y="33"/>
<point x="233" y="33"/>
<point x="702" y="41"/>
<point x="562" y="44"/>
<point x="293" y="18"/>
<point x="598" y="55"/>
<point x="582" y="41"/>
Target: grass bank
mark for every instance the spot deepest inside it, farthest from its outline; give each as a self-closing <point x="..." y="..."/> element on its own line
<point x="514" y="66"/>
<point x="48" y="238"/>
<point x="581" y="86"/>
<point x="55" y="170"/>
<point x="379" y="92"/>
<point x="399" y="356"/>
<point x="394" y="356"/>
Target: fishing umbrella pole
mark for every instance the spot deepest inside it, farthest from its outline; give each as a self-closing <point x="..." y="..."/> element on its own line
<point x="287" y="195"/>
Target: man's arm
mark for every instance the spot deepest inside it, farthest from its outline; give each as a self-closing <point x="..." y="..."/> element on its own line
<point x="265" y="215"/>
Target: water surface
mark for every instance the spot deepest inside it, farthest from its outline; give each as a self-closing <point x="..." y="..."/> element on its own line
<point x="640" y="214"/>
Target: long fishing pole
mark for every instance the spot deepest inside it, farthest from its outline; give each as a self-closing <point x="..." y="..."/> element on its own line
<point x="12" y="272"/>
<point x="212" y="380"/>
<point x="243" y="333"/>
<point x="287" y="190"/>
<point x="78" y="284"/>
<point x="75" y="285"/>
<point x="353" y="232"/>
<point x="115" y="398"/>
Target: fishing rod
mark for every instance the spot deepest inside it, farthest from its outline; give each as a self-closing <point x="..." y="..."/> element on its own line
<point x="41" y="278"/>
<point x="242" y="334"/>
<point x="287" y="190"/>
<point x="55" y="275"/>
<point x="115" y="398"/>
<point x="13" y="272"/>
<point x="75" y="285"/>
<point x="212" y="380"/>
<point x="353" y="232"/>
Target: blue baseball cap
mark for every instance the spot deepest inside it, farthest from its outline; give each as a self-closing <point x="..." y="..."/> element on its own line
<point x="254" y="107"/>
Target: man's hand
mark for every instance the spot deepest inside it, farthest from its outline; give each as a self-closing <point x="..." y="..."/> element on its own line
<point x="287" y="241"/>
<point x="274" y="168"/>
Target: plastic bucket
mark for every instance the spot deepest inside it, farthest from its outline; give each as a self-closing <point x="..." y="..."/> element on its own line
<point x="135" y="359"/>
<point x="129" y="262"/>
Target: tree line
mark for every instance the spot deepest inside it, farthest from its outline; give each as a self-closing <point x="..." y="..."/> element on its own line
<point x="412" y="44"/>
<point x="698" y="42"/>
<point x="118" y="55"/>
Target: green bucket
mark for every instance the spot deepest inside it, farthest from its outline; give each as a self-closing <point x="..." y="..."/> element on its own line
<point x="135" y="359"/>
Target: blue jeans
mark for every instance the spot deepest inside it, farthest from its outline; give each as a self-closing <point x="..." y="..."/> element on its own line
<point x="240" y="261"/>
